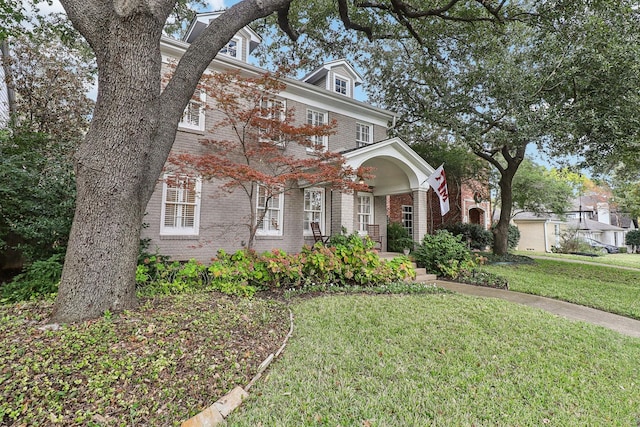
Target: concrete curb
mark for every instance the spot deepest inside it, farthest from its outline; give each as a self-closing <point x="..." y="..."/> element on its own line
<point x="215" y="414"/>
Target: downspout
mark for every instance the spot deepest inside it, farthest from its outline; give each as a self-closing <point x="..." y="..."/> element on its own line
<point x="546" y="245"/>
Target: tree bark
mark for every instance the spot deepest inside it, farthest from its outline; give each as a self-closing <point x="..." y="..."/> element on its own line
<point x="501" y="230"/>
<point x="130" y="137"/>
<point x="111" y="174"/>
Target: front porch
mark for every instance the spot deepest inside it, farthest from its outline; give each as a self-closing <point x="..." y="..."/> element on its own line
<point x="397" y="169"/>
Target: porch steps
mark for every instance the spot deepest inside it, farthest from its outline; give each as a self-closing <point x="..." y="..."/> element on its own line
<point x="421" y="275"/>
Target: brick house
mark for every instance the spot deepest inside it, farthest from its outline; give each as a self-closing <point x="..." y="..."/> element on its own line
<point x="188" y="217"/>
<point x="468" y="204"/>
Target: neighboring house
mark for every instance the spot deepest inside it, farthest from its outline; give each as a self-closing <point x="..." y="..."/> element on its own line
<point x="190" y="217"/>
<point x="587" y="216"/>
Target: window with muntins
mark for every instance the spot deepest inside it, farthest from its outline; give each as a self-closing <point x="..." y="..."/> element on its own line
<point x="365" y="212"/>
<point x="341" y="85"/>
<point x="180" y="205"/>
<point x="269" y="213"/>
<point x="272" y="109"/>
<point x="313" y="208"/>
<point x="231" y="49"/>
<point x="193" y="115"/>
<point x="407" y="218"/>
<point x="317" y="118"/>
<point x="363" y="135"/>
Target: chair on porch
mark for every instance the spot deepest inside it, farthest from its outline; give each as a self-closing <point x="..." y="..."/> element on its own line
<point x="317" y="234"/>
<point x="373" y="230"/>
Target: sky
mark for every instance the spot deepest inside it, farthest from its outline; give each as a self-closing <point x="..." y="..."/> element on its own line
<point x="57" y="7"/>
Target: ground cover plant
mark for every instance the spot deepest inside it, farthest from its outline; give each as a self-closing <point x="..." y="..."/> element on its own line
<point x="156" y="366"/>
<point x="446" y="360"/>
<point x="346" y="263"/>
<point x="603" y="287"/>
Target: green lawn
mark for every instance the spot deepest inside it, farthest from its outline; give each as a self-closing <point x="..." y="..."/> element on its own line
<point x="446" y="360"/>
<point x="598" y="286"/>
<point x="623" y="260"/>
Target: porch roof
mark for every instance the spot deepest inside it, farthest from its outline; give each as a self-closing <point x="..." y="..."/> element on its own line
<point x="397" y="168"/>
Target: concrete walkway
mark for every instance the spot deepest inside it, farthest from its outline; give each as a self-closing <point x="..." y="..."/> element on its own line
<point x="621" y="324"/>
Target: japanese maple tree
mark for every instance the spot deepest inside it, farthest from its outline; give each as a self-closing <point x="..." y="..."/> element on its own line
<point x="267" y="148"/>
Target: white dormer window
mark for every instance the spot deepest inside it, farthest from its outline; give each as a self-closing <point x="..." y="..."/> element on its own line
<point x="364" y="135"/>
<point x="193" y="115"/>
<point x="232" y="48"/>
<point x="341" y="85"/>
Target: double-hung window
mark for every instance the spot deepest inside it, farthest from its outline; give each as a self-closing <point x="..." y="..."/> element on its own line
<point x="364" y="135"/>
<point x="365" y="211"/>
<point x="341" y="85"/>
<point x="269" y="212"/>
<point x="317" y="118"/>
<point x="407" y="218"/>
<point x="193" y="116"/>
<point x="180" y="205"/>
<point x="313" y="208"/>
<point x="231" y="48"/>
<point x="272" y="110"/>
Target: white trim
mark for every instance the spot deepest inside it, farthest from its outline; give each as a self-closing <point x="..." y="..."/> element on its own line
<point x="298" y="91"/>
<point x="270" y="103"/>
<point x="321" y="220"/>
<point x="239" y="49"/>
<point x="361" y="142"/>
<point x="325" y="120"/>
<point x="347" y="81"/>
<point x="188" y="124"/>
<point x="179" y="230"/>
<point x="363" y="230"/>
<point x="275" y="227"/>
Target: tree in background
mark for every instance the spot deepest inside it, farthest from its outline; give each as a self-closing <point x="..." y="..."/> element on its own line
<point x="262" y="160"/>
<point x="37" y="192"/>
<point x="627" y="197"/>
<point x="503" y="86"/>
<point x="50" y="71"/>
<point x="537" y="189"/>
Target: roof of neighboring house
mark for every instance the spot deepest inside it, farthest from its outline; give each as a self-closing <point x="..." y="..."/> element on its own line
<point x="622" y="220"/>
<point x="589" y="224"/>
<point x="531" y="216"/>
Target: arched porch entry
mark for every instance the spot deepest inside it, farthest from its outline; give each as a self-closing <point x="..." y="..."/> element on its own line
<point x="476" y="216"/>
<point x="397" y="169"/>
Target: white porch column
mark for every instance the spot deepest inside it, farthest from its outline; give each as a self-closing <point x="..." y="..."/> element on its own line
<point x="342" y="212"/>
<point x="419" y="215"/>
<point x="380" y="218"/>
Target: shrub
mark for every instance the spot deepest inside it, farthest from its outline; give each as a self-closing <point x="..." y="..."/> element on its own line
<point x="483" y="278"/>
<point x="475" y="234"/>
<point x="570" y="242"/>
<point x="351" y="262"/>
<point x="39" y="279"/>
<point x="398" y="238"/>
<point x="442" y="254"/>
<point x="633" y="239"/>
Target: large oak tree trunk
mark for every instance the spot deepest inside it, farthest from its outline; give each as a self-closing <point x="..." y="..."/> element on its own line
<point x="501" y="230"/>
<point x="114" y="177"/>
<point x="131" y="134"/>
